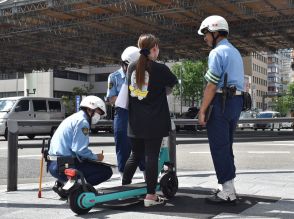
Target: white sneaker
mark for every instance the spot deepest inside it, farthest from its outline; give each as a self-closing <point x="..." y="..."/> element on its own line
<point x="226" y="196"/>
<point x="144" y="175"/>
<point x="150" y="202"/>
<point x="121" y="174"/>
<point x="228" y="191"/>
<point x="229" y="187"/>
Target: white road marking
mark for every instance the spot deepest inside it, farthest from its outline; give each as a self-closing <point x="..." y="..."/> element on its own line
<point x="31" y="155"/>
<point x="289" y="143"/>
<point x="269" y="152"/>
<point x="39" y="155"/>
<point x="199" y="152"/>
<point x="249" y="152"/>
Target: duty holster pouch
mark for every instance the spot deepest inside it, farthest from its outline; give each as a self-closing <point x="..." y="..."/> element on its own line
<point x="65" y="163"/>
<point x="231" y="91"/>
<point x="247" y="101"/>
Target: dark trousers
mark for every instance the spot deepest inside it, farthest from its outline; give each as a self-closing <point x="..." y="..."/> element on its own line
<point x="220" y="130"/>
<point x="93" y="173"/>
<point x="150" y="149"/>
<point x="122" y="141"/>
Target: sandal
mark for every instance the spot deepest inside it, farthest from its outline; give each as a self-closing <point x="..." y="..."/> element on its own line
<point x="149" y="202"/>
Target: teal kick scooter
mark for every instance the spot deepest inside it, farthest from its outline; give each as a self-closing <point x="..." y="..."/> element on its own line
<point x="83" y="197"/>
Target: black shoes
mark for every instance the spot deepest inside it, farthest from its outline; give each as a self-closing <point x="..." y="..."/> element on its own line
<point x="58" y="189"/>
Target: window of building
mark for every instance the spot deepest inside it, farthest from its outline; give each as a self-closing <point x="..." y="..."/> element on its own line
<point x="12" y="75"/>
<point x="101" y="77"/>
<point x="59" y="94"/>
<point x="20" y="75"/>
<point x="11" y="94"/>
<point x="72" y="75"/>
<point x="3" y="76"/>
<point x="83" y="77"/>
<point x="59" y="74"/>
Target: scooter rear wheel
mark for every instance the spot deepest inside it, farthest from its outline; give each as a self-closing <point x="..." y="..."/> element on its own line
<point x="169" y="184"/>
<point x="74" y="199"/>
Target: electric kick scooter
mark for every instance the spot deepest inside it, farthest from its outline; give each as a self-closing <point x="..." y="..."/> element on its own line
<point x="83" y="197"/>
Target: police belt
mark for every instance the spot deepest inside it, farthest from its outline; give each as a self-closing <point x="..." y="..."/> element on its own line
<point x="237" y="93"/>
<point x="52" y="157"/>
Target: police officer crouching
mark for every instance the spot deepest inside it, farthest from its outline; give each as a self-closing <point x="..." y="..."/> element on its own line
<point x="69" y="146"/>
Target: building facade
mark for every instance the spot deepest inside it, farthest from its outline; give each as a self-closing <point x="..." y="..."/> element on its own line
<point x="266" y="75"/>
<point x="255" y="68"/>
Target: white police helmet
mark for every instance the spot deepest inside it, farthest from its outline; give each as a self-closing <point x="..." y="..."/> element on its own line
<point x="213" y="23"/>
<point x="130" y="54"/>
<point x="93" y="103"/>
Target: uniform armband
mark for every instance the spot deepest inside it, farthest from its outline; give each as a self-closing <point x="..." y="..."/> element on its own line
<point x="210" y="77"/>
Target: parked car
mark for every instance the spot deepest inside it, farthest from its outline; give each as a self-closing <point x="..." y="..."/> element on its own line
<point x="190" y="114"/>
<point x="30" y="108"/>
<point x="246" y="115"/>
<point x="102" y="125"/>
<point x="287" y="125"/>
<point x="271" y="126"/>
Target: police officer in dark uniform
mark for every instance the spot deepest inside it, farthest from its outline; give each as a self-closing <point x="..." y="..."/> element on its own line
<point x="223" y="98"/>
<point x="120" y="123"/>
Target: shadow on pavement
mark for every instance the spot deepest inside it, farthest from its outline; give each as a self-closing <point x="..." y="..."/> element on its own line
<point x="187" y="203"/>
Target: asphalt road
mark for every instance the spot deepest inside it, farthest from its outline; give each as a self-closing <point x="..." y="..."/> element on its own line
<point x="267" y="151"/>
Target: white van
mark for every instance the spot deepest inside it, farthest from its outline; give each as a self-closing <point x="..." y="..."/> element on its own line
<point x="30" y="108"/>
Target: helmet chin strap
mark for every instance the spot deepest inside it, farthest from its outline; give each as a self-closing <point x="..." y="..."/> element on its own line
<point x="214" y="39"/>
<point x="90" y="114"/>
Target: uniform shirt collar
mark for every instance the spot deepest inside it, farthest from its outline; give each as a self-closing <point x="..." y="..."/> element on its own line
<point x="222" y="42"/>
<point x="123" y="75"/>
<point x="84" y="114"/>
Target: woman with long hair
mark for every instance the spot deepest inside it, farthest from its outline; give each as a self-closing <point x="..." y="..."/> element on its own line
<point x="149" y="118"/>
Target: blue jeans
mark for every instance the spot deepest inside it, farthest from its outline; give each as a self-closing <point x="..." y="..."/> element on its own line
<point x="220" y="130"/>
<point x="93" y="173"/>
<point x="122" y="141"/>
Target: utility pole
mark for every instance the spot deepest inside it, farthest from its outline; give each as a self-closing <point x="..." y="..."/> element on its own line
<point x="181" y="90"/>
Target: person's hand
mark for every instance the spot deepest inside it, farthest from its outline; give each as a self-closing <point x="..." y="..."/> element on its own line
<point x="100" y="157"/>
<point x="201" y="118"/>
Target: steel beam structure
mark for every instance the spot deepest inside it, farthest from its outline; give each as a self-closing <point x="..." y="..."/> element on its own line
<point x="36" y="34"/>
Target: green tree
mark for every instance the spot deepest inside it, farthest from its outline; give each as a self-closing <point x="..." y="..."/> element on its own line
<point x="82" y="91"/>
<point x="285" y="103"/>
<point x="69" y="101"/>
<point x="191" y="76"/>
<point x="68" y="104"/>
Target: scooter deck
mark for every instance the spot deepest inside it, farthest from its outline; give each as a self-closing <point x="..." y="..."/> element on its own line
<point x="124" y="188"/>
<point x="122" y="192"/>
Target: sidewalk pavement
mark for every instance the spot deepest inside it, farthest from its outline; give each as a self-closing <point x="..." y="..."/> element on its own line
<point x="262" y="194"/>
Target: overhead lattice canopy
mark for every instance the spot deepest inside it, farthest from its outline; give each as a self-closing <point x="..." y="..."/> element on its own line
<point x="36" y="34"/>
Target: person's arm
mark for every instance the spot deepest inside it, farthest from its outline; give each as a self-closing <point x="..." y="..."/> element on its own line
<point x="213" y="77"/>
<point x="80" y="141"/>
<point x="112" y="100"/>
<point x="111" y="93"/>
<point x="209" y="94"/>
<point x="169" y="79"/>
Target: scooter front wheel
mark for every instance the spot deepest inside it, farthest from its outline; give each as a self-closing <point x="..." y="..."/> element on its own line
<point x="169" y="184"/>
<point x="76" y="201"/>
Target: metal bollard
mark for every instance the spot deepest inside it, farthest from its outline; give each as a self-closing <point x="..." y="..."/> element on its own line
<point x="172" y="145"/>
<point x="12" y="161"/>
